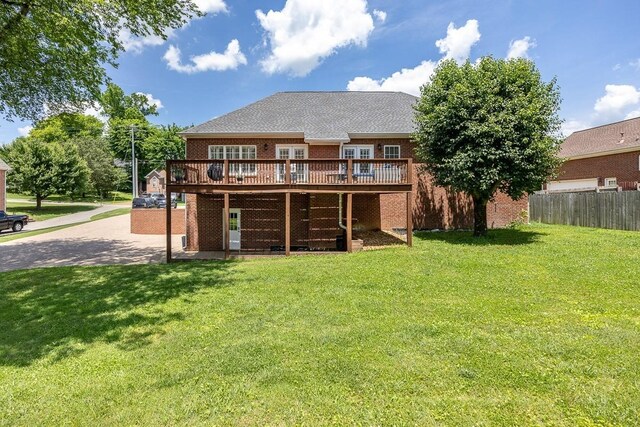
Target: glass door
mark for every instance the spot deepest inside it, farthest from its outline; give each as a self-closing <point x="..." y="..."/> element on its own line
<point x="299" y="170"/>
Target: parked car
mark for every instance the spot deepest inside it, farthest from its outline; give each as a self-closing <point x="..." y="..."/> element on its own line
<point x="161" y="202"/>
<point x="12" y="222"/>
<point x="142" y="203"/>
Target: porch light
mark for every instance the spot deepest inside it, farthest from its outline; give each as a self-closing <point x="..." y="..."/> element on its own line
<point x="379" y="147"/>
<point x="266" y="146"/>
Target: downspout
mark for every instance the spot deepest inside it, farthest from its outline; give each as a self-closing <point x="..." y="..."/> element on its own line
<point x="340" y="224"/>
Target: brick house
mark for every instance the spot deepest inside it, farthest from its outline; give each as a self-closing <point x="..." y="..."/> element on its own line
<point x="156" y="181"/>
<point x="308" y="170"/>
<point x="602" y="158"/>
<point x="4" y="168"/>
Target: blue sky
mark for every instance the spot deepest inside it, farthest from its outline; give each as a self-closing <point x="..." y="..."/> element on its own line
<point x="244" y="50"/>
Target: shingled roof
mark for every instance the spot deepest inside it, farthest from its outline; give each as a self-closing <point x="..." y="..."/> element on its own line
<point x="4" y="166"/>
<point x="317" y="116"/>
<point x="607" y="139"/>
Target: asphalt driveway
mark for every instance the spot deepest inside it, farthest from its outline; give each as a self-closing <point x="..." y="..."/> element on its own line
<point x="102" y="242"/>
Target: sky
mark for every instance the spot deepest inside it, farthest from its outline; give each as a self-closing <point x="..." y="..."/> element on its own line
<point x="242" y="51"/>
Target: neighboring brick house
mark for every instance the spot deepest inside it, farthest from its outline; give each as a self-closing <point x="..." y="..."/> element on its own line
<point x="602" y="158"/>
<point x="4" y="168"/>
<point x="283" y="169"/>
<point x="156" y="181"/>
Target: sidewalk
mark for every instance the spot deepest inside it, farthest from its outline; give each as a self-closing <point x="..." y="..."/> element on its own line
<point x="71" y="218"/>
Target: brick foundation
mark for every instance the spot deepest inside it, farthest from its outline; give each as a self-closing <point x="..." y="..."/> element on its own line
<point x="153" y="221"/>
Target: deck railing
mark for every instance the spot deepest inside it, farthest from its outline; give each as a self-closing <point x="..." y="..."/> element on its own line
<point x="289" y="172"/>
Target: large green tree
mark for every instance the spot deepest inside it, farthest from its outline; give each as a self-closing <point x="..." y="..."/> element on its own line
<point x="104" y="176"/>
<point x="53" y="52"/>
<point x="65" y="126"/>
<point x="44" y="168"/>
<point x="487" y="127"/>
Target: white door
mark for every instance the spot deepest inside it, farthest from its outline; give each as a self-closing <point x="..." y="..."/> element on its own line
<point x="299" y="170"/>
<point x="359" y="152"/>
<point x="234" y="229"/>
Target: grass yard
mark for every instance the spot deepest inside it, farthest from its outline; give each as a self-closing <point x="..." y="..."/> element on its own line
<point x="537" y="326"/>
<point x="47" y="211"/>
<point x="116" y="197"/>
<point x="110" y="214"/>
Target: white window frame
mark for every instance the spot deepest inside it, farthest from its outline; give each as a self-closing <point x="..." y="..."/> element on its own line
<point x="357" y="150"/>
<point x="301" y="175"/>
<point x="392" y="146"/>
<point x="246" y="169"/>
<point x="611" y="182"/>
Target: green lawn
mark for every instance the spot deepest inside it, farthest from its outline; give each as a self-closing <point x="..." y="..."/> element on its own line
<point x="47" y="211"/>
<point x="537" y="326"/>
<point x="109" y="214"/>
<point x="116" y="197"/>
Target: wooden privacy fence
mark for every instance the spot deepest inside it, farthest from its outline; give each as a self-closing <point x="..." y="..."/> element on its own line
<point x="616" y="210"/>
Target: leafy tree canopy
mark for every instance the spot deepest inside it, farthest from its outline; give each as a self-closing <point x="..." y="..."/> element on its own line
<point x="64" y="126"/>
<point x="487" y="127"/>
<point x="44" y="168"/>
<point x="52" y="52"/>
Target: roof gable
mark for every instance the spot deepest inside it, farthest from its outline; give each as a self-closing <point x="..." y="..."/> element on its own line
<point x="4" y="166"/>
<point x="317" y="116"/>
<point x="614" y="137"/>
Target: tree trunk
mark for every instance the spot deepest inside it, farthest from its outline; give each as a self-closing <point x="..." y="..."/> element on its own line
<point x="38" y="201"/>
<point x="479" y="216"/>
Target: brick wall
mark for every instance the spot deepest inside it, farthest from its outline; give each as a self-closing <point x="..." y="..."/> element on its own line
<point x="623" y="166"/>
<point x="262" y="218"/>
<point x="438" y="207"/>
<point x="153" y="221"/>
<point x="3" y="196"/>
<point x="315" y="216"/>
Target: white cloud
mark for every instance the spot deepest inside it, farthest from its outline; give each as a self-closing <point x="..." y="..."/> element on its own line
<point x="616" y="99"/>
<point x="304" y="32"/>
<point x="380" y="15"/>
<point x="152" y="100"/>
<point x="212" y="61"/>
<point x="635" y="64"/>
<point x="520" y="48"/>
<point x="633" y="114"/>
<point x="571" y="126"/>
<point x="408" y="80"/>
<point x="24" y="131"/>
<point x="616" y="67"/>
<point x="211" y="6"/>
<point x="137" y="44"/>
<point x="457" y="44"/>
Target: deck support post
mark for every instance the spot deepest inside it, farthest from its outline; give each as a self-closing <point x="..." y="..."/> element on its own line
<point x="349" y="222"/>
<point x="287" y="224"/>
<point x="410" y="219"/>
<point x="168" y="225"/>
<point x="225" y="224"/>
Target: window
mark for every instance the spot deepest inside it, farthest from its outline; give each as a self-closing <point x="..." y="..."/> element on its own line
<point x="299" y="170"/>
<point x="391" y="151"/>
<point x="610" y="182"/>
<point x="235" y="152"/>
<point x="359" y="152"/>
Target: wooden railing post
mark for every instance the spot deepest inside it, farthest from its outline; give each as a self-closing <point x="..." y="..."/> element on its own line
<point x="410" y="171"/>
<point x="287" y="171"/>
<point x="287" y="224"/>
<point x="349" y="171"/>
<point x="409" y="219"/>
<point x="225" y="180"/>
<point x="349" y="222"/>
<point x="227" y="236"/>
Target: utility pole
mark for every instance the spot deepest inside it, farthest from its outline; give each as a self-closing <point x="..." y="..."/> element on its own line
<point x="134" y="163"/>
